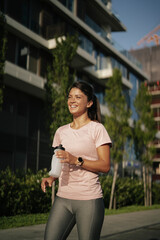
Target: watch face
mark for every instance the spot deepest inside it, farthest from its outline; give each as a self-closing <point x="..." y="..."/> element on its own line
<point x="80" y="159"/>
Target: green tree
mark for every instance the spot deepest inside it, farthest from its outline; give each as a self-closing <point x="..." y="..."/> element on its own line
<point x="117" y="122"/>
<point x="59" y="79"/>
<point x="144" y="135"/>
<point x="3" y="41"/>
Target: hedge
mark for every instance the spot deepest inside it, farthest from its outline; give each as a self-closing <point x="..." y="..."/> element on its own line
<point x="20" y="193"/>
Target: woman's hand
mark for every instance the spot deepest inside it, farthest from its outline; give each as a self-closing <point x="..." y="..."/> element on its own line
<point x="67" y="157"/>
<point x="47" y="182"/>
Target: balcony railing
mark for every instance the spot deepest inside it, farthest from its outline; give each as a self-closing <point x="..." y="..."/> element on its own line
<point x="155" y="101"/>
<point x="157" y="156"/>
<point x="155" y="177"/>
<point x="154" y="88"/>
<point x="156" y="114"/>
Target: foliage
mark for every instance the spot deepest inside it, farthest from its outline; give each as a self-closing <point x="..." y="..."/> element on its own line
<point x="128" y="191"/>
<point x="117" y="121"/>
<point x="23" y="220"/>
<point x="21" y="193"/>
<point x="145" y="126"/>
<point x="3" y="41"/>
<point x="156" y="193"/>
<point x="60" y="78"/>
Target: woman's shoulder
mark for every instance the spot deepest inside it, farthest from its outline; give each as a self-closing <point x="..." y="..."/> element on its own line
<point x="96" y="124"/>
<point x="64" y="127"/>
<point x="96" y="127"/>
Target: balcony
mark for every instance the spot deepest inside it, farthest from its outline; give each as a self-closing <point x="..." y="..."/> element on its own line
<point x="105" y="73"/>
<point x="154" y="90"/>
<point x="24" y="80"/>
<point x="99" y="10"/>
<point x="83" y="57"/>
<point x="156" y="158"/>
<point x="103" y="13"/>
<point x="156" y="178"/>
<point x="101" y="74"/>
<point x="155" y="103"/>
<point x="156" y="143"/>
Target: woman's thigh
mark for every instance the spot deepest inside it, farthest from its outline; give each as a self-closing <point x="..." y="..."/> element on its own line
<point x="89" y="218"/>
<point x="60" y="221"/>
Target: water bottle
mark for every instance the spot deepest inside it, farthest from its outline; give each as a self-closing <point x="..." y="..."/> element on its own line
<point x="56" y="165"/>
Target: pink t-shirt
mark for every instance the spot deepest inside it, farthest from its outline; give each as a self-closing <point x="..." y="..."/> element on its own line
<point x="74" y="181"/>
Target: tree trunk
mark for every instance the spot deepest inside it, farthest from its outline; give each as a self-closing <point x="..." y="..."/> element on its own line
<point x="144" y="185"/>
<point x="113" y="185"/>
<point x="150" y="186"/>
<point x="114" y="201"/>
<point x="147" y="185"/>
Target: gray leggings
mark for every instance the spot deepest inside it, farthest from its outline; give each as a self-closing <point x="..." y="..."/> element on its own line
<point x="88" y="215"/>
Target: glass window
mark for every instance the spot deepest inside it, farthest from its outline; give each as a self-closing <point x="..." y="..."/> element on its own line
<point x="9" y="105"/>
<point x="127" y="96"/>
<point x="133" y="93"/>
<point x="45" y="61"/>
<point x="19" y="10"/>
<point x="22" y="54"/>
<point x="6" y="159"/>
<point x="2" y="5"/>
<point x="33" y="59"/>
<point x="22" y="108"/>
<point x="11" y="48"/>
<point x="68" y="3"/>
<point x="35" y="9"/>
<point x="86" y="44"/>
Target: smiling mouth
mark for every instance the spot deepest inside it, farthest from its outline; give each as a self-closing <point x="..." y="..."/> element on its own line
<point x="73" y="106"/>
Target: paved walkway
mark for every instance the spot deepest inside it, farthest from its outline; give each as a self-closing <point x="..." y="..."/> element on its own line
<point x="113" y="226"/>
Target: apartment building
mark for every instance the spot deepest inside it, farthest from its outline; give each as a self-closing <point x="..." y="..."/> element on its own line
<point x="32" y="27"/>
<point x="154" y="88"/>
<point x="150" y="59"/>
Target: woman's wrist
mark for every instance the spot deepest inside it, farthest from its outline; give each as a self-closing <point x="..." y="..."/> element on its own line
<point x="52" y="178"/>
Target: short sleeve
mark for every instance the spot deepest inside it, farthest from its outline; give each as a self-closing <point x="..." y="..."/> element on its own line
<point x="101" y="136"/>
<point x="56" y="139"/>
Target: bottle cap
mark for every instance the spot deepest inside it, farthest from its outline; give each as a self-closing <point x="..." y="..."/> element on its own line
<point x="59" y="147"/>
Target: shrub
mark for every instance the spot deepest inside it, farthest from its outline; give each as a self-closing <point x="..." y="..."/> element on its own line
<point x="156" y="193"/>
<point x="128" y="191"/>
<point x="21" y="193"/>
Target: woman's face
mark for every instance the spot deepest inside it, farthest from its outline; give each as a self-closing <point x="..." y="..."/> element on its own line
<point x="78" y="102"/>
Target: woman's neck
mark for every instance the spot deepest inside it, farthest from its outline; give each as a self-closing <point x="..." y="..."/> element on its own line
<point x="80" y="122"/>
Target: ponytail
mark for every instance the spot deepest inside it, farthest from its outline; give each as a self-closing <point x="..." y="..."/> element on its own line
<point x="94" y="112"/>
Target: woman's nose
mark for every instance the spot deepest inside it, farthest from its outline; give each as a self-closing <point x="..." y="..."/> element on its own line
<point x="72" y="99"/>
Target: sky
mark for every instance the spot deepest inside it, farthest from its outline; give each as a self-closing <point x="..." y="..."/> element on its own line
<point x="140" y="17"/>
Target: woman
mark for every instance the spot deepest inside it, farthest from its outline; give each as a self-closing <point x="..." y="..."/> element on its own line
<point x="87" y="152"/>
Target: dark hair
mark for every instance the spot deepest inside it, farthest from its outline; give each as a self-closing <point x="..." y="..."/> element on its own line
<point x="94" y="111"/>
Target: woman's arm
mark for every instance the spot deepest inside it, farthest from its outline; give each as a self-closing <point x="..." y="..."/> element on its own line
<point x="102" y="164"/>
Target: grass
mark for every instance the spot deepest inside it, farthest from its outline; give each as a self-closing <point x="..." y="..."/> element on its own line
<point x="23" y="220"/>
<point x="129" y="209"/>
<point x="41" y="218"/>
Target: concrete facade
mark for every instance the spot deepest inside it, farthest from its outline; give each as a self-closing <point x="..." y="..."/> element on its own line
<point x="31" y="38"/>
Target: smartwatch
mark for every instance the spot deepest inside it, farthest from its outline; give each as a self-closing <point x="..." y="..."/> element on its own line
<point x="80" y="161"/>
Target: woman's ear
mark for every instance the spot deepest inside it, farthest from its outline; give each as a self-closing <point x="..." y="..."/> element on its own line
<point x="89" y="104"/>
